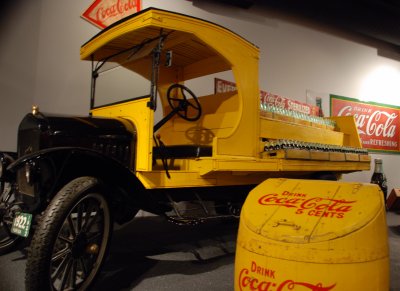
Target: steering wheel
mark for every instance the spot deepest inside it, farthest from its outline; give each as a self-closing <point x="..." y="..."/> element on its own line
<point x="180" y="104"/>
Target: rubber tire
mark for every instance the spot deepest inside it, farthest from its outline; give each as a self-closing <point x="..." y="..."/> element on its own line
<point x="37" y="274"/>
<point x="9" y="242"/>
<point x="13" y="241"/>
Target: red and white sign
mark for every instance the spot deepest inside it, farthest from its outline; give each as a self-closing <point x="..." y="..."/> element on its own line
<point x="271" y="99"/>
<point x="377" y="124"/>
<point x="311" y="206"/>
<point x="103" y="13"/>
<point x="259" y="277"/>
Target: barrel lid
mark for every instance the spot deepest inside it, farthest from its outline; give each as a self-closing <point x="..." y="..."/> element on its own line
<point x="307" y="211"/>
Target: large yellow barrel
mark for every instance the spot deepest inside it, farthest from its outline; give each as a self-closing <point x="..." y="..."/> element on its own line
<point x="312" y="235"/>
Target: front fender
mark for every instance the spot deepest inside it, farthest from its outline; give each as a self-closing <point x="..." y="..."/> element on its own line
<point x="50" y="169"/>
<point x="6" y="158"/>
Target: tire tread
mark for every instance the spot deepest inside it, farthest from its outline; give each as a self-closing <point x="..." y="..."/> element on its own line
<point x="36" y="273"/>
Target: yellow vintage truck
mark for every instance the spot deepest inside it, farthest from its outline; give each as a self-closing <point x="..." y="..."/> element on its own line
<point x="73" y="176"/>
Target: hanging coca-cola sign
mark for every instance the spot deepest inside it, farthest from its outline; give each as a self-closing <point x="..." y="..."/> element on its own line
<point x="103" y="13"/>
<point x="377" y="124"/>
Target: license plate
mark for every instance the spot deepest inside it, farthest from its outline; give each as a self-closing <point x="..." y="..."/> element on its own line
<point x="22" y="224"/>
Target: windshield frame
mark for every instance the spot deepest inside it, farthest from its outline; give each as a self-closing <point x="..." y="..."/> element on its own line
<point x="135" y="52"/>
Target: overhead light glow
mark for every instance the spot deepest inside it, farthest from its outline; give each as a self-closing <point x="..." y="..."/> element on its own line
<point x="382" y="85"/>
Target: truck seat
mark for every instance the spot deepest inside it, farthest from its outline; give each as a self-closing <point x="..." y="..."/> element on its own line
<point x="182" y="151"/>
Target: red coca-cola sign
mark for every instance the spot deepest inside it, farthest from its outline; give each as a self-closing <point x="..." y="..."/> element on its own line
<point x="268" y="98"/>
<point x="303" y="204"/>
<point x="377" y="124"/>
<point x="103" y="13"/>
<point x="261" y="278"/>
<point x="278" y="101"/>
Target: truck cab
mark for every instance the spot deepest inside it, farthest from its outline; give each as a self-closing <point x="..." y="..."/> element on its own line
<point x="216" y="139"/>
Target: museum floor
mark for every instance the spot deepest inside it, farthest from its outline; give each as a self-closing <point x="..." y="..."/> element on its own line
<point x="151" y="254"/>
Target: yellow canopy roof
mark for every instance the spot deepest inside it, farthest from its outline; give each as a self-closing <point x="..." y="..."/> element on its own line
<point x="199" y="47"/>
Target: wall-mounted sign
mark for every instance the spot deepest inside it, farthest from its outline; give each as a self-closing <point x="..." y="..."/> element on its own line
<point x="103" y="13"/>
<point x="377" y="124"/>
<point x="268" y="98"/>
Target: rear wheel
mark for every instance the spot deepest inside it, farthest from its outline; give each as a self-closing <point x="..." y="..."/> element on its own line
<point x="8" y="241"/>
<point x="71" y="240"/>
<point x="8" y="206"/>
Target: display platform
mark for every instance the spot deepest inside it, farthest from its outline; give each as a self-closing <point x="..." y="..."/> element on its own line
<point x="150" y="254"/>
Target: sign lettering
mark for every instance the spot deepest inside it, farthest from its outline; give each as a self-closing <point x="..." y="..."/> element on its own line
<point x="261" y="278"/>
<point x="103" y="13"/>
<point x="267" y="98"/>
<point x="377" y="124"/>
<point x="314" y="206"/>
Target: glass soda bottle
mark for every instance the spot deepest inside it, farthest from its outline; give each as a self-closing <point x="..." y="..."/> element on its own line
<point x="379" y="178"/>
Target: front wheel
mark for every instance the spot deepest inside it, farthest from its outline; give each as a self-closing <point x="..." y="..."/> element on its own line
<point x="71" y="240"/>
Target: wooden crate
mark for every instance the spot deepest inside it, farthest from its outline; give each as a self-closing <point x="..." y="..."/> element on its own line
<point x="393" y="201"/>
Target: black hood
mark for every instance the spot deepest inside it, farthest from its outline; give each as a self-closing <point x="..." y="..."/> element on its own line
<point x="106" y="135"/>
